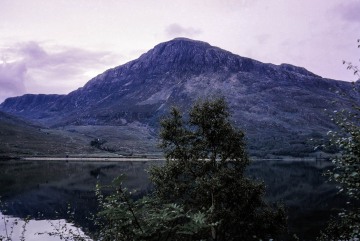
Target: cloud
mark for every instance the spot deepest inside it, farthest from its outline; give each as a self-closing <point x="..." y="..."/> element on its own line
<point x="263" y="38"/>
<point x="176" y="30"/>
<point x="30" y="67"/>
<point x="349" y="11"/>
<point x="12" y="77"/>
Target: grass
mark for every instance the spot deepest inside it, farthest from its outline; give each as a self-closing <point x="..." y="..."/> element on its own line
<point x="20" y="138"/>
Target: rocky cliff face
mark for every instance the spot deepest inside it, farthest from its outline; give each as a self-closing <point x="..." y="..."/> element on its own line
<point x="32" y="105"/>
<point x="279" y="106"/>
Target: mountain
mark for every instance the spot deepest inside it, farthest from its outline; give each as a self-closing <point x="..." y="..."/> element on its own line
<point x="280" y="107"/>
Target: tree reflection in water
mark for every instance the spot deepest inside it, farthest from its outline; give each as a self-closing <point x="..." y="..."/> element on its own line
<point x="48" y="187"/>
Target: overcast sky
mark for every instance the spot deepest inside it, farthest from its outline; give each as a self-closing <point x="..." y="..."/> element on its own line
<point x="56" y="46"/>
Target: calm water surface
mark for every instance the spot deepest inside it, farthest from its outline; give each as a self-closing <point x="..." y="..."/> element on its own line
<point x="44" y="190"/>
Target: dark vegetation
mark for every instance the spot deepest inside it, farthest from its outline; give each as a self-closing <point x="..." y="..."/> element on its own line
<point x="201" y="192"/>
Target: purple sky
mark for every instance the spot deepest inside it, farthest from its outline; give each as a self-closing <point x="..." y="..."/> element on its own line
<point x="57" y="46"/>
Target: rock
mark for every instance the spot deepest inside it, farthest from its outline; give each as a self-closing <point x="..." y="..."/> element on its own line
<point x="280" y="107"/>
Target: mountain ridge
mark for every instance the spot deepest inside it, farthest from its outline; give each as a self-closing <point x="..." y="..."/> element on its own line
<point x="272" y="103"/>
<point x="158" y="50"/>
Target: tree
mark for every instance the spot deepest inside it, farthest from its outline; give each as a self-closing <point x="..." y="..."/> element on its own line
<point x="204" y="172"/>
<point x="346" y="173"/>
<point x="346" y="170"/>
<point x="123" y="218"/>
<point x="351" y="66"/>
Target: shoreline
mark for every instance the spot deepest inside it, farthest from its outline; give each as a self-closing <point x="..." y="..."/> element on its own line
<point x="93" y="159"/>
<point x="150" y="159"/>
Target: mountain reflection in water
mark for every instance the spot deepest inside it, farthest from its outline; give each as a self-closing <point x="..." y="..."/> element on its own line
<point x="12" y="228"/>
<point x="49" y="187"/>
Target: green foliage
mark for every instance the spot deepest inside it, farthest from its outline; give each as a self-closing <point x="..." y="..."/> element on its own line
<point x="204" y="172"/>
<point x="201" y="193"/>
<point x="346" y="227"/>
<point x="351" y="66"/>
<point x="347" y="169"/>
<point x="346" y="173"/>
<point x="122" y="218"/>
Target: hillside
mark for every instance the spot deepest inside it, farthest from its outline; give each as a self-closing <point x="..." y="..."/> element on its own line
<point x="18" y="137"/>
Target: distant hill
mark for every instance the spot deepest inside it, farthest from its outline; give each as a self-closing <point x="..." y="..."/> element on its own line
<point x="280" y="107"/>
<point x="18" y="137"/>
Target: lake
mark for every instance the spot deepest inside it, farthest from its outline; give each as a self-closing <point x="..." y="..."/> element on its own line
<point x="44" y="190"/>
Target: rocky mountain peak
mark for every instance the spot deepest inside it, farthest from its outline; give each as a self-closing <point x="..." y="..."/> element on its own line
<point x="188" y="55"/>
<point x="184" y="43"/>
<point x="182" y="57"/>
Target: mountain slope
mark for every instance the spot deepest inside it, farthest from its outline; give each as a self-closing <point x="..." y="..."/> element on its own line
<point x="18" y="137"/>
<point x="280" y="107"/>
